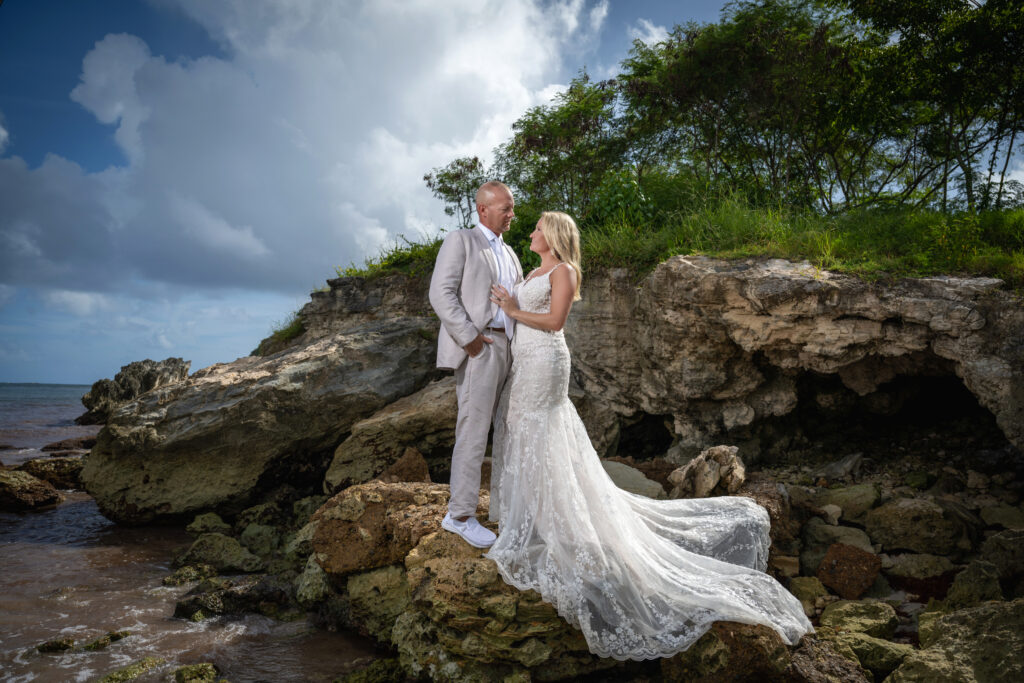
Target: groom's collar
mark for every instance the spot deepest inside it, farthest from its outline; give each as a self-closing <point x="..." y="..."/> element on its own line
<point x="488" y="233"/>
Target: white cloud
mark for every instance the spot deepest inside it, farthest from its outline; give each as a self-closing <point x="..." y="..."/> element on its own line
<point x="6" y="294"/>
<point x="76" y="303"/>
<point x="4" y="135"/>
<point x="647" y="32"/>
<point x="302" y="148"/>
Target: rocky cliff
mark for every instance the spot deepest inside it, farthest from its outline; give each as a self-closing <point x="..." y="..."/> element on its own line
<point x="705" y="351"/>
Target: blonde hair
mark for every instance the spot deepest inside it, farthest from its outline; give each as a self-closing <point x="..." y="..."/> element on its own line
<point x="563" y="237"/>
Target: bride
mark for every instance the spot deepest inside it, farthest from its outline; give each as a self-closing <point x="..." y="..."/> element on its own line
<point x="641" y="578"/>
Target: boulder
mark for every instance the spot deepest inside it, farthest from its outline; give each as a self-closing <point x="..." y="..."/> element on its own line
<point x="132" y="381"/>
<point x="20" y="491"/>
<point x="880" y="657"/>
<point x="982" y="643"/>
<point x="221" y="552"/>
<point x="818" y="536"/>
<point x="376" y="524"/>
<point x="914" y="524"/>
<point x="716" y="471"/>
<point x="424" y="420"/>
<point x="978" y="583"/>
<point x="931" y="666"/>
<point x="1006" y="516"/>
<point x="62" y="473"/>
<point x="848" y="570"/>
<point x="220" y="438"/>
<point x="854" y="501"/>
<point x="208" y="522"/>
<point x="377" y="598"/>
<point x="876" y="619"/>
<point x="632" y="480"/>
<point x="818" y="661"/>
<point x="731" y="652"/>
<point x="1006" y="551"/>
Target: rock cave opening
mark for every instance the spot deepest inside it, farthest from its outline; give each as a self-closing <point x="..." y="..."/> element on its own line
<point x="932" y="417"/>
<point x="645" y="436"/>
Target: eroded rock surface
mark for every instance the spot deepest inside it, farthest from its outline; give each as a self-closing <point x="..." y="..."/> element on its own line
<point x="132" y="381"/>
<point x="216" y="439"/>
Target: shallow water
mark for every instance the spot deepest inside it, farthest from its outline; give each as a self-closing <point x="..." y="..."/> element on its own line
<point x="70" y="572"/>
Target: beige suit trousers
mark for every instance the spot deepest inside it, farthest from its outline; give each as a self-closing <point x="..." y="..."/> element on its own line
<point x="478" y="384"/>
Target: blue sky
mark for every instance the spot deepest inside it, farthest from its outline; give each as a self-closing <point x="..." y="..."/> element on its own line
<point x="177" y="175"/>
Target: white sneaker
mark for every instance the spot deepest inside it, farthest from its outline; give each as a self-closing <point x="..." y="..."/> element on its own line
<point x="471" y="531"/>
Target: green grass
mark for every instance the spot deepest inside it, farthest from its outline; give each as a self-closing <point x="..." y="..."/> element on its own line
<point x="281" y="335"/>
<point x="870" y="243"/>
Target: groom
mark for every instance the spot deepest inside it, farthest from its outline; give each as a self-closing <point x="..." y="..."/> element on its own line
<point x="474" y="341"/>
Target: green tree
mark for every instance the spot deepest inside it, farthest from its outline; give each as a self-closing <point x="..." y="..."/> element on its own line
<point x="456" y="185"/>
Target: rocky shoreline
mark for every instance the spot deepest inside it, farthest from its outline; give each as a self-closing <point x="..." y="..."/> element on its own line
<point x="879" y="423"/>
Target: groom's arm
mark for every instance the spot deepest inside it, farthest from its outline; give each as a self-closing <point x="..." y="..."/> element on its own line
<point x="444" y="290"/>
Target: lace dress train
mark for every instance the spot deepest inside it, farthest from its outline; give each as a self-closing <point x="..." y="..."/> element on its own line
<point x="641" y="578"/>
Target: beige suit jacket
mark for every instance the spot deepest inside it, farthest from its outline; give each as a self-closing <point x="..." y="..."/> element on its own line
<point x="460" y="292"/>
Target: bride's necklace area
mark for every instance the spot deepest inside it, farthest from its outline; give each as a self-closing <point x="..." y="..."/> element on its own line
<point x="534" y="275"/>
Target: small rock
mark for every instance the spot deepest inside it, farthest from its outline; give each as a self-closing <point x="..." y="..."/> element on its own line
<point x="832" y="513"/>
<point x="929" y="666"/>
<point x="132" y="671"/>
<point x="222" y="552"/>
<point x="818" y="536"/>
<point x="879" y="656"/>
<point x="20" y="491"/>
<point x="716" y="471"/>
<point x="919" y="479"/>
<point x="208" y="523"/>
<point x="62" y="473"/>
<point x="873" y="618"/>
<point x="1006" y="516"/>
<point x="914" y="524"/>
<point x="807" y="589"/>
<point x="190" y="573"/>
<point x="784" y="565"/>
<point x="854" y="501"/>
<point x="1006" y="551"/>
<point x="848" y="570"/>
<point x="56" y="645"/>
<point x="103" y="641"/>
<point x="840" y="469"/>
<point x="260" y="539"/>
<point x="264" y="513"/>
<point x="304" y="508"/>
<point x="196" y="673"/>
<point x="978" y="583"/>
<point x="312" y="586"/>
<point x="976" y="480"/>
<point x="816" y="660"/>
<point x="379" y="671"/>
<point x="78" y="443"/>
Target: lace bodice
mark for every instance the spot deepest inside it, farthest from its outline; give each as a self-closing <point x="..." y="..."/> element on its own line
<point x="641" y="578"/>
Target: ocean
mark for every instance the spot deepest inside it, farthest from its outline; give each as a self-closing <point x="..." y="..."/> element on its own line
<point x="33" y="415"/>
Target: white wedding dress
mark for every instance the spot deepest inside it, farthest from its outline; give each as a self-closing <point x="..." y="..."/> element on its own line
<point x="641" y="578"/>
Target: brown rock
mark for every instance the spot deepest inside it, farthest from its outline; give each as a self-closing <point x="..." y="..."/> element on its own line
<point x="410" y="467"/>
<point x="20" y="491"/>
<point x="376" y="524"/>
<point x="730" y="652"/>
<point x="716" y="471"/>
<point x="655" y="469"/>
<point x="62" y="473"/>
<point x="816" y="661"/>
<point x="78" y="443"/>
<point x="785" y="521"/>
<point x="849" y="571"/>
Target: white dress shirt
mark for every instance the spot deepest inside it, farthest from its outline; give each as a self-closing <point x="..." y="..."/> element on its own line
<point x="506" y="273"/>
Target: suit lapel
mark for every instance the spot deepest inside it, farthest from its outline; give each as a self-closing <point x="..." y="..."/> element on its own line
<point x="486" y="252"/>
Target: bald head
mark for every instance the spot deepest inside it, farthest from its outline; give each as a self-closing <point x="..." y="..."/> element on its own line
<point x="495" y="206"/>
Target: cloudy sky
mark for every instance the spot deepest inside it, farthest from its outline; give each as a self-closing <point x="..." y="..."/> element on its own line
<point x="177" y="175"/>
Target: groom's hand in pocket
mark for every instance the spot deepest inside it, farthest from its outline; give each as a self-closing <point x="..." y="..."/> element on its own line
<point x="474" y="347"/>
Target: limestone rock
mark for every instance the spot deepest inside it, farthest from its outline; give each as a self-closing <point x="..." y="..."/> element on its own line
<point x="424" y="421"/>
<point x="376" y="524"/>
<point x="807" y="590"/>
<point x="984" y="643"/>
<point x="730" y="651"/>
<point x="632" y="480"/>
<point x="879" y="656"/>
<point x="1006" y="551"/>
<point x="919" y="566"/>
<point x="978" y="583"/>
<point x="785" y="523"/>
<point x="1006" y="516"/>
<point x="818" y="536"/>
<point x="208" y="522"/>
<point x="377" y="598"/>
<point x="20" y="491"/>
<point x="854" y="501"/>
<point x="848" y="570"/>
<point x="210" y="442"/>
<point x="204" y="672"/>
<point x="220" y="551"/>
<point x="132" y="381"/>
<point x="876" y="619"/>
<point x="716" y="471"/>
<point x="62" y="473"/>
<point x="410" y="467"/>
<point x="260" y="539"/>
<point x="817" y="661"/>
<point x="312" y="586"/>
<point x="914" y="524"/>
